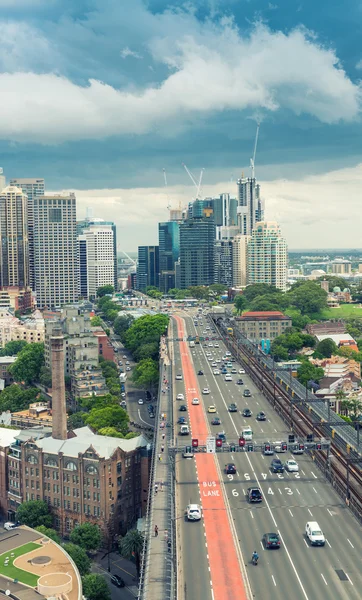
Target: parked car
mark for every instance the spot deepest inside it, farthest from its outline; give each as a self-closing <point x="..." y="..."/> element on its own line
<point x="117" y="581"/>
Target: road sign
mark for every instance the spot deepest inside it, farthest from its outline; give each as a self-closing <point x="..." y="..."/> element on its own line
<point x="211" y="444"/>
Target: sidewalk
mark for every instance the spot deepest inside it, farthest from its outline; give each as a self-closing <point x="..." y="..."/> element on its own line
<point x="159" y="567"/>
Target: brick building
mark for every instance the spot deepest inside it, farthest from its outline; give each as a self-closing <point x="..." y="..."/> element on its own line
<point x="105" y="347"/>
<point x="261" y="325"/>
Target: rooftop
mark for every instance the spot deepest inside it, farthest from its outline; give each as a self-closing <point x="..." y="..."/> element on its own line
<point x="267" y="315"/>
<point x="103" y="445"/>
<point x="338" y="338"/>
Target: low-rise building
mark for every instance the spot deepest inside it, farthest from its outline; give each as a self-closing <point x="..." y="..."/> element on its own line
<point x="263" y="325"/>
<point x="29" y="329"/>
<point x="338" y="366"/>
<point x="38" y="414"/>
<point x="340" y="339"/>
<point x="5" y="363"/>
<point x="105" y="347"/>
<point x="16" y="298"/>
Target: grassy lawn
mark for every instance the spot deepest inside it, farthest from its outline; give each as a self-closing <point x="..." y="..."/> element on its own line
<point x="343" y="312"/>
<point x="14" y="573"/>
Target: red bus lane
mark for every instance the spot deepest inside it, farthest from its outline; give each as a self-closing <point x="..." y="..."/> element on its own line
<point x="226" y="576"/>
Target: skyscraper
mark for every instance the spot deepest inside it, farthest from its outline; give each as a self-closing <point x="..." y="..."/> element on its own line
<point x="197" y="237"/>
<point x="55" y="250"/>
<point x="148" y="268"/>
<point x="224" y="209"/>
<point x="2" y="180"/>
<point x="89" y="221"/>
<point x="169" y="251"/>
<point x="32" y="188"/>
<point x="99" y="258"/>
<point x="223" y="265"/>
<point x="14" y="247"/>
<point x="267" y="255"/>
<point x="240" y="260"/>
<point x="250" y="206"/>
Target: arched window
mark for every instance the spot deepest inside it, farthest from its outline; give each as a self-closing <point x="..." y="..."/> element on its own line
<point x="32" y="459"/>
<point x="71" y="466"/>
<point x="51" y="462"/>
<point x="92" y="470"/>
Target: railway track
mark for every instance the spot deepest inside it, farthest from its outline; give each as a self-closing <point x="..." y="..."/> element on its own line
<point x="341" y="466"/>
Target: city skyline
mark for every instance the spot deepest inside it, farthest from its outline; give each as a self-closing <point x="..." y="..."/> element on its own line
<point x="122" y="119"/>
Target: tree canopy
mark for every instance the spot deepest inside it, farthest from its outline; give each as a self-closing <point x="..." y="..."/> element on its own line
<point x="34" y="513"/>
<point x="308" y="372"/>
<point x="50" y="533"/>
<point x="131" y="545"/>
<point x="87" y="536"/>
<point x="28" y="364"/>
<point x="80" y="558"/>
<point x="309" y="297"/>
<point x="122" y="323"/>
<point x="240" y="303"/>
<point x="146" y="374"/>
<point x="145" y="330"/>
<point x="95" y="587"/>
<point x="258" y="289"/>
<point x="15" y="398"/>
<point x="104" y="290"/>
<point x="326" y="348"/>
<point x="13" y="348"/>
<point x="109" y="416"/>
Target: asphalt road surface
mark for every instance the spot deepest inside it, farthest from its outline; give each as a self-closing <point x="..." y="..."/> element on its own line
<point x="296" y="570"/>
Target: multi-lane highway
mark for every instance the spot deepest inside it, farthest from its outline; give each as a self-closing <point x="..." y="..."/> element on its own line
<point x="290" y="500"/>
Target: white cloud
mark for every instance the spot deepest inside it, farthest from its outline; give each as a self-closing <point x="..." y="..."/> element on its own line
<point x="126" y="52"/>
<point x="359" y="64"/>
<point x="216" y="70"/>
<point x="314" y="212"/>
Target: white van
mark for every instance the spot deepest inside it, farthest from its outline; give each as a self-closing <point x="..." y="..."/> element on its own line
<point x="8" y="526"/>
<point x="314" y="534"/>
<point x="184" y="430"/>
<point x="247" y="434"/>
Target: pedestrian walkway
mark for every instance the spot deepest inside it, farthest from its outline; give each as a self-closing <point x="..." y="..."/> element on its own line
<point x="158" y="579"/>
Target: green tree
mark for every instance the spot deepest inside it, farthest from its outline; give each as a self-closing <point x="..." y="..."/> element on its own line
<point x="145" y="330"/>
<point x="173" y="292"/>
<point x="300" y="321"/>
<point x="258" y="289"/>
<point x="218" y="288"/>
<point x="131" y="434"/>
<point x="28" y="363"/>
<point x="109" y="416"/>
<point x="272" y="301"/>
<point x="334" y="281"/>
<point x="13" y="348"/>
<point x="15" y="398"/>
<point x="96" y="321"/>
<point x="48" y="532"/>
<point x="326" y="348"/>
<point x="279" y="352"/>
<point x="308" y="297"/>
<point x="105" y="290"/>
<point x="98" y="402"/>
<point x="95" y="587"/>
<point x="122" y="323"/>
<point x="109" y="364"/>
<point x="111" y="432"/>
<point x="131" y="545"/>
<point x="352" y="406"/>
<point x="34" y="513"/>
<point x="80" y="558"/>
<point x="200" y="292"/>
<point x="76" y="420"/>
<point x="146" y="374"/>
<point x="45" y="377"/>
<point x="308" y="372"/>
<point x="240" y="303"/>
<point x="87" y="536"/>
<point x="150" y="350"/>
<point x="111" y="315"/>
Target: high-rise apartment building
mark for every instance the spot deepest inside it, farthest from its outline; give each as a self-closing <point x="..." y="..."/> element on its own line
<point x="148" y="268"/>
<point x="14" y="246"/>
<point x="268" y="256"/>
<point x="223" y="265"/>
<point x="240" y="260"/>
<point x="96" y="263"/>
<point x="197" y="252"/>
<point x="55" y="250"/>
<point x="224" y="209"/>
<point x="32" y="188"/>
<point x="169" y="252"/>
<point x="2" y="180"/>
<point x="250" y="205"/>
<point x="91" y="221"/>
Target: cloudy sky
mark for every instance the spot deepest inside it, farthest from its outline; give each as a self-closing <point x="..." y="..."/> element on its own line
<point x="99" y="96"/>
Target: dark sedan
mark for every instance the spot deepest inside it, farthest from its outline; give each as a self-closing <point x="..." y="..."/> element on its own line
<point x="230" y="469"/>
<point x="181" y="420"/>
<point x="215" y="421"/>
<point x="233" y="407"/>
<point x="200" y="372"/>
<point x="239" y="382"/>
<point x="183" y="408"/>
<point x="271" y="541"/>
<point x="247" y="412"/>
<point x="261" y="416"/>
<point x="276" y="466"/>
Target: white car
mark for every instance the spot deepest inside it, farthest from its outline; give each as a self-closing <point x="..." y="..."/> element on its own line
<point x="128" y="368"/>
<point x="242" y="371"/>
<point x="278" y="446"/>
<point x="206" y="391"/>
<point x="208" y="353"/>
<point x="140" y="401"/>
<point x="123" y="395"/>
<point x="214" y="364"/>
<point x="180" y="397"/>
<point x="179" y="377"/>
<point x="218" y="360"/>
<point x="228" y="377"/>
<point x="216" y="345"/>
<point x="314" y="534"/>
<point x="195" y="401"/>
<point x="127" y="362"/>
<point x="291" y="466"/>
<point x="193" y="512"/>
<point x="211" y="345"/>
<point x="216" y="372"/>
<point x="125" y="356"/>
<point x="8" y="525"/>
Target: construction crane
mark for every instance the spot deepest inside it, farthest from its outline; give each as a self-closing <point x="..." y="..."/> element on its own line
<point x="252" y="160"/>
<point x="196" y="184"/>
<point x="166" y="188"/>
<point x="134" y="262"/>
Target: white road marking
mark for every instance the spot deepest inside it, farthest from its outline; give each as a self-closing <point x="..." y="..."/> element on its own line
<point x="298" y="492"/>
<point x="290" y="511"/>
<point x="303" y="472"/>
<point x="251" y="514"/>
<point x="328" y="543"/>
<point x="305" y="541"/>
<point x="262" y="545"/>
<point x="294" y="569"/>
<point x="310" y="512"/>
<point x="315" y="476"/>
<point x="324" y="579"/>
<point x="330" y="512"/>
<point x="349" y="541"/>
<point x="349" y="579"/>
<point x="315" y="490"/>
<point x="273" y="580"/>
